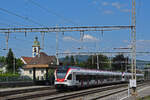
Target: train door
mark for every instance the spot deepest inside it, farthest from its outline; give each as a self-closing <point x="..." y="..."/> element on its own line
<point x="123" y="76"/>
<point x="74" y="78"/>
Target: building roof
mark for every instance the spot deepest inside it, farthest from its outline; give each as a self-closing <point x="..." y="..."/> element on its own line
<point x="39" y="61"/>
<point x="36" y="66"/>
<point x="26" y="60"/>
<point x="43" y="58"/>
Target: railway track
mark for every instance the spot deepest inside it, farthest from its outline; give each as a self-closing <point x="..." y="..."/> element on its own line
<point x="53" y="94"/>
<point x="11" y="93"/>
<point x="84" y="93"/>
<point x="81" y="95"/>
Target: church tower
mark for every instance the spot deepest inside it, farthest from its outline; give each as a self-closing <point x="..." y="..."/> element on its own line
<point x="36" y="47"/>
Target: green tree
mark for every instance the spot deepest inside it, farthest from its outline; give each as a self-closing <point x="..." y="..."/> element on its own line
<point x="119" y="63"/>
<point x="72" y="60"/>
<point x="2" y="59"/>
<point x="18" y="64"/>
<point x="10" y="61"/>
<point x="91" y="62"/>
<point x="66" y="60"/>
<point x="82" y="64"/>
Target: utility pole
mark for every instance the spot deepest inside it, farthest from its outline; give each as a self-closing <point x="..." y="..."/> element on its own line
<point x="110" y="62"/>
<point x="97" y="61"/>
<point x="57" y="47"/>
<point x="42" y="35"/>
<point x="14" y="65"/>
<point x="133" y="61"/>
<point x="92" y="60"/>
<point x="7" y="38"/>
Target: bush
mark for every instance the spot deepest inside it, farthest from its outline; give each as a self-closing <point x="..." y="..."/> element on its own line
<point x="7" y="77"/>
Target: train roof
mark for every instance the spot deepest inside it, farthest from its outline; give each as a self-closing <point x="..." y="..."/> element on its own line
<point x="67" y="67"/>
<point x="79" y="69"/>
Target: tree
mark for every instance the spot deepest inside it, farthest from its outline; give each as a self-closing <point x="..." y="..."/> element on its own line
<point x="119" y="63"/>
<point x="66" y="60"/>
<point x="2" y="59"/>
<point x="72" y="60"/>
<point x="18" y="64"/>
<point x="10" y="61"/>
<point x="92" y="62"/>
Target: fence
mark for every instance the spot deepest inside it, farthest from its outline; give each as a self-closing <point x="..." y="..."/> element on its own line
<point x="14" y="78"/>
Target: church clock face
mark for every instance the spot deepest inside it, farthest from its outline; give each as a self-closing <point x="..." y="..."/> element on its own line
<point x="34" y="54"/>
<point x="34" y="50"/>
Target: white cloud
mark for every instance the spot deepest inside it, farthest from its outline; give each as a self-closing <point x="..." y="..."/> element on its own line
<point x="86" y="38"/>
<point x="89" y="38"/>
<point x="108" y="12"/>
<point x="141" y="45"/>
<point x="117" y="5"/>
<point x="125" y="10"/>
<point x="95" y="2"/>
<point x="144" y="41"/>
<point x="69" y="38"/>
<point x="67" y="51"/>
<point x="125" y="41"/>
<point x="105" y="3"/>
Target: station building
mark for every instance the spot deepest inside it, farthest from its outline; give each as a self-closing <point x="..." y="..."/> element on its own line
<point x="37" y="66"/>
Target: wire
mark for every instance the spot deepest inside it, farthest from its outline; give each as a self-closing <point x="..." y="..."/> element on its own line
<point x="52" y="12"/>
<point x="139" y="7"/>
<point x="15" y="25"/>
<point x="22" y="17"/>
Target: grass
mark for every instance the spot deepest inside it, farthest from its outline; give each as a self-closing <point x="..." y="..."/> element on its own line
<point x="145" y="98"/>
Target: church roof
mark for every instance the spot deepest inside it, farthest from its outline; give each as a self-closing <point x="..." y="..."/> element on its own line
<point x="37" y="66"/>
<point x="43" y="58"/>
<point x="26" y="60"/>
<point x="39" y="61"/>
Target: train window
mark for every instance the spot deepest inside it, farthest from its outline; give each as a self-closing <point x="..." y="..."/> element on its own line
<point x="61" y="72"/>
<point x="78" y="77"/>
<point x="70" y="77"/>
<point x="61" y="75"/>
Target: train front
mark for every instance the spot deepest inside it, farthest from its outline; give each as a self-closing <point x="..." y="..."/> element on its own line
<point x="63" y="77"/>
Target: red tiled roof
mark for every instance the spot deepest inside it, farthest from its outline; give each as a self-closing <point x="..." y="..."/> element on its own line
<point x="27" y="59"/>
<point x="43" y="58"/>
<point x="40" y="61"/>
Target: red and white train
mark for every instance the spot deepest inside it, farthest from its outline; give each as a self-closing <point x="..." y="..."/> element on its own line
<point x="70" y="76"/>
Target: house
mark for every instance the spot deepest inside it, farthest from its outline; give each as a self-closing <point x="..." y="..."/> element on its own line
<point x="37" y="66"/>
<point x="40" y="62"/>
<point x="2" y="68"/>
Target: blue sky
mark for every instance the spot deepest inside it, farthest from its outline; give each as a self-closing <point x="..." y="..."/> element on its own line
<point x="49" y="13"/>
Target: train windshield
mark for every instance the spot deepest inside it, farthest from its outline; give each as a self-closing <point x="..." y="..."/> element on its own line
<point x="61" y="72"/>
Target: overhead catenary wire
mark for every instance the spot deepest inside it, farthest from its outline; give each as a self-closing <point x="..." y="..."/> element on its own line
<point x="52" y="12"/>
<point x="14" y="25"/>
<point x="139" y="7"/>
<point x="22" y="17"/>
